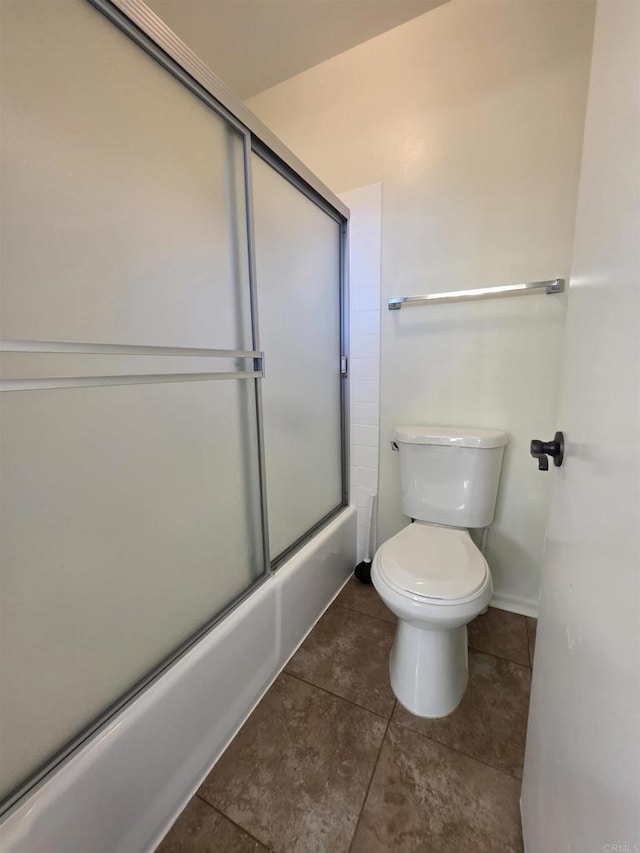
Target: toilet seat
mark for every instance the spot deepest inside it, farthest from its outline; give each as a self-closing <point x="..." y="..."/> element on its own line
<point x="432" y="563"/>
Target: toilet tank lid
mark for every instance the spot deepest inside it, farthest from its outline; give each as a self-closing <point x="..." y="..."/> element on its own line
<point x="458" y="436"/>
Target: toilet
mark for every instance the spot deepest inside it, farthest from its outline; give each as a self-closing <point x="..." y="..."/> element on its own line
<point x="431" y="574"/>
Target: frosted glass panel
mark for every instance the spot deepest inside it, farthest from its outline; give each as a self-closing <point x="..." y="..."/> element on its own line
<point x="130" y="513"/>
<point x="129" y="516"/>
<point x="298" y="266"/>
<point x="123" y="195"/>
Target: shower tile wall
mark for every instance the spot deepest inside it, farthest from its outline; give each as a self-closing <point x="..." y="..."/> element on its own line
<point x="364" y="365"/>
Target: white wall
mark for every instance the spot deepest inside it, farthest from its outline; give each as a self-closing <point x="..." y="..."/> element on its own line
<point x="581" y="788"/>
<point x="365" y="204"/>
<point x="472" y="116"/>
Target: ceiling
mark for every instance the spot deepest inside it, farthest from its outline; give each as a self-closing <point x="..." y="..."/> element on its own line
<point x="254" y="44"/>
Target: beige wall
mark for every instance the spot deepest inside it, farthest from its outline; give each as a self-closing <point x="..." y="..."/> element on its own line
<point x="472" y="117"/>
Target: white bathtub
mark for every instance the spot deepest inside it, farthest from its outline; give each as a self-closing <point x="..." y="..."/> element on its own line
<point x="121" y="790"/>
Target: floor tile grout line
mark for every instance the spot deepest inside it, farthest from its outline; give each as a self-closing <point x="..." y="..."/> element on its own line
<point x="458" y="751"/>
<point x="500" y="657"/>
<point x="337" y="695"/>
<point x="226" y="817"/>
<point x="362" y="613"/>
<point x="373" y="773"/>
<point x="528" y="665"/>
<point x="531" y="653"/>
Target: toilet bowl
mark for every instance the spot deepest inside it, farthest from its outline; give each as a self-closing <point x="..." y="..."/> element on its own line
<point x="431" y="574"/>
<point x="435" y="580"/>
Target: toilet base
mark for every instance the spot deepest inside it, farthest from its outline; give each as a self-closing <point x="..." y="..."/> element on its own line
<point x="429" y="669"/>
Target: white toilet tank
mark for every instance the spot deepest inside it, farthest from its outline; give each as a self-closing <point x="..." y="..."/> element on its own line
<point x="448" y="475"/>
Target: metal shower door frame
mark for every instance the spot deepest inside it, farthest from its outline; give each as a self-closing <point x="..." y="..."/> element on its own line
<point x="143" y="26"/>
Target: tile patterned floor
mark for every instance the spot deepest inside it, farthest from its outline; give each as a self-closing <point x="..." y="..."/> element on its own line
<point x="329" y="762"/>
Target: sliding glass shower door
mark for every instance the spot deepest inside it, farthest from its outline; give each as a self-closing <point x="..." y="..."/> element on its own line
<point x="298" y="256"/>
<point x="133" y="437"/>
<point x="131" y="494"/>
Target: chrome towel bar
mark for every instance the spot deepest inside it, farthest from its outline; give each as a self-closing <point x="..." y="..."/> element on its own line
<point x="555" y="285"/>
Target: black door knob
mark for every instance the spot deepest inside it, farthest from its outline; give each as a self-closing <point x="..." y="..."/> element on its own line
<point x="541" y="449"/>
